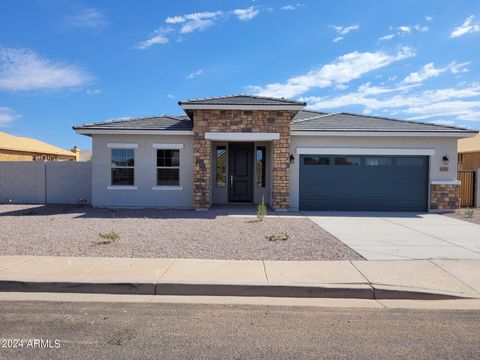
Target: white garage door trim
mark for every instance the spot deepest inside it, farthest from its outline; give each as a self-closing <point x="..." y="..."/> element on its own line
<point x="364" y="151"/>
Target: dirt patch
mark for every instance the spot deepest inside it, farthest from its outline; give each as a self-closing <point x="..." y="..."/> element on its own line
<point x="74" y="231"/>
<point x="470" y="215"/>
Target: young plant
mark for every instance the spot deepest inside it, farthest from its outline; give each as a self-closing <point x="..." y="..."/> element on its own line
<point x="468" y="213"/>
<point x="261" y="210"/>
<point x="282" y="236"/>
<point x="109" y="237"/>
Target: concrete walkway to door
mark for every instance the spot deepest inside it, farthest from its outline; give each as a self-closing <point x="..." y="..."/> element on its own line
<point x="397" y="236"/>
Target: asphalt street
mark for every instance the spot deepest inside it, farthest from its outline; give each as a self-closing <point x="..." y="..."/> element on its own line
<point x="191" y="331"/>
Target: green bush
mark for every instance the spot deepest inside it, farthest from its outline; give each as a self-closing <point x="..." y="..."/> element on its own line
<point x="468" y="213"/>
<point x="261" y="210"/>
<point x="109" y="237"/>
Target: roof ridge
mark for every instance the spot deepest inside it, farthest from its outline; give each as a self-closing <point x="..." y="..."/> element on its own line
<point x="314" y="117"/>
<point x="120" y="120"/>
<point x="406" y="121"/>
<point x="240" y="94"/>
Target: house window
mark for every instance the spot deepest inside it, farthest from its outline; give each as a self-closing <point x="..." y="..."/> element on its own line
<point x="347" y="160"/>
<point x="221" y="166"/>
<point x="316" y="160"/>
<point x="168" y="167"/>
<point x="260" y="166"/>
<point x="378" y="161"/>
<point x="409" y="161"/>
<point x="123" y="167"/>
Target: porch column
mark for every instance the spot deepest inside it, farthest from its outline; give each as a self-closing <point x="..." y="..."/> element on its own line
<point x="281" y="173"/>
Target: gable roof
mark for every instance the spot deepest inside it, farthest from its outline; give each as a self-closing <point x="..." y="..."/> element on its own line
<point x="469" y="145"/>
<point x="242" y="99"/>
<point x="366" y="123"/>
<point x="17" y="143"/>
<point x="162" y="122"/>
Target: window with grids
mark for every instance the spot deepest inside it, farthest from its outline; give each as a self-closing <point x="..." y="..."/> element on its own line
<point x="168" y="167"/>
<point x="123" y="167"/>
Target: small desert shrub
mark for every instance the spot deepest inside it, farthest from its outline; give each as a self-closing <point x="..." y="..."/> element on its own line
<point x="468" y="213"/>
<point x="282" y="236"/>
<point x="261" y="209"/>
<point x="109" y="237"/>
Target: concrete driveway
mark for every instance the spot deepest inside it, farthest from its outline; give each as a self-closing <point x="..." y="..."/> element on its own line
<point x="396" y="236"/>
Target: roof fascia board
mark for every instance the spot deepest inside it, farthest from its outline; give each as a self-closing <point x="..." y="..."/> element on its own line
<point x="293" y="107"/>
<point x="132" y="132"/>
<point x="455" y="134"/>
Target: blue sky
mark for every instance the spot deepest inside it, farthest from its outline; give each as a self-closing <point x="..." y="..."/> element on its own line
<point x="70" y="62"/>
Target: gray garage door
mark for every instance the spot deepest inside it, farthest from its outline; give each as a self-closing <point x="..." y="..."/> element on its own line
<point x="363" y="183"/>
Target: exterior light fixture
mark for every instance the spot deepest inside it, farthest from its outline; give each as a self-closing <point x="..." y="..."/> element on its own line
<point x="292" y="159"/>
<point x="445" y="160"/>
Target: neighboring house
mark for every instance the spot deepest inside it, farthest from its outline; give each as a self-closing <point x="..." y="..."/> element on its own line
<point x="469" y="153"/>
<point x="15" y="148"/>
<point x="85" y="155"/>
<point x="241" y="148"/>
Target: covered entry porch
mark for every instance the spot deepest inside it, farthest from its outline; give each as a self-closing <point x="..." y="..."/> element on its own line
<point x="241" y="171"/>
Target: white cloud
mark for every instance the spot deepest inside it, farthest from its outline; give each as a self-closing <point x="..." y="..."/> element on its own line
<point x="407" y="29"/>
<point x="344" y="30"/>
<point x="429" y="18"/>
<point x="246" y="14"/>
<point x="448" y="104"/>
<point x="93" y="91"/>
<point x="337" y="39"/>
<point x="7" y="116"/>
<point x="87" y="18"/>
<point x="24" y="70"/>
<point x="194" y="74"/>
<point x="429" y="70"/>
<point x="195" y="21"/>
<point x="387" y="37"/>
<point x="170" y="96"/>
<point x="470" y="25"/>
<point x="158" y="37"/>
<point x="403" y="30"/>
<point x="290" y="7"/>
<point x="341" y="71"/>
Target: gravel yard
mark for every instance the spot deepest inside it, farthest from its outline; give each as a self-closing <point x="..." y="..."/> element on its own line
<point x="64" y="230"/>
<point x="470" y="215"/>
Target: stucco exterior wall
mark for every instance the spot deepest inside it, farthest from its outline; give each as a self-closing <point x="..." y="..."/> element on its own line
<point x="145" y="173"/>
<point x="68" y="182"/>
<point x="40" y="182"/>
<point x="23" y="182"/>
<point x="442" y="146"/>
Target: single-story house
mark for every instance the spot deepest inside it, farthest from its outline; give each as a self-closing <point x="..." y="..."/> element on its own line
<point x="16" y="148"/>
<point x="243" y="148"/>
<point x="469" y="153"/>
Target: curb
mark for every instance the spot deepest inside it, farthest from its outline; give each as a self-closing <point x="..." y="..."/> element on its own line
<point x="347" y="291"/>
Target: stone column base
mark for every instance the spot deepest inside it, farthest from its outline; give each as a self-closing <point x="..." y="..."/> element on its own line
<point x="444" y="196"/>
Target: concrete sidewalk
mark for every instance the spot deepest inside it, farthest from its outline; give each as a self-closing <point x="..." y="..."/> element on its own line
<point x="405" y="279"/>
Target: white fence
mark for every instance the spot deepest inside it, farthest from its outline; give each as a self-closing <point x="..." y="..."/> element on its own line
<point x="39" y="182"/>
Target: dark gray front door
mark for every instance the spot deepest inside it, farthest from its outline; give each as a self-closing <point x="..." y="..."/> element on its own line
<point x="363" y="183"/>
<point x="240" y="172"/>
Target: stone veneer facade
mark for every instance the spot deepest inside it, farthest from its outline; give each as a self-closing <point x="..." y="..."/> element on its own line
<point x="443" y="197"/>
<point x="241" y="121"/>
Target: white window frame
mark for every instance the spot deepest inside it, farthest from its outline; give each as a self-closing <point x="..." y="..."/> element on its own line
<point x="113" y="146"/>
<point x="167" y="147"/>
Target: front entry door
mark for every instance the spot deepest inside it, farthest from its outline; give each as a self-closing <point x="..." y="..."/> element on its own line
<point x="240" y="172"/>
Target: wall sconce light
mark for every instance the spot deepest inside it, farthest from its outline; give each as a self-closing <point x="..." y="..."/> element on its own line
<point x="445" y="160"/>
<point x="292" y="159"/>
